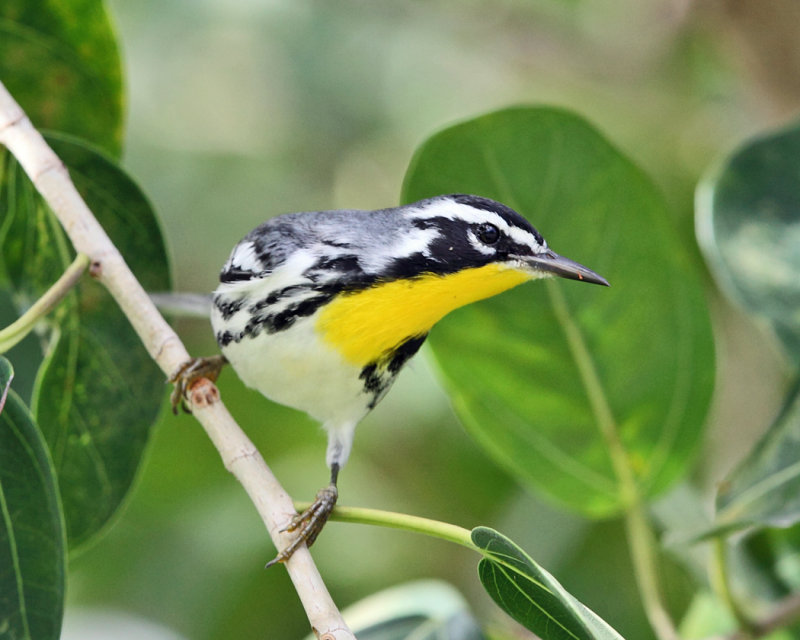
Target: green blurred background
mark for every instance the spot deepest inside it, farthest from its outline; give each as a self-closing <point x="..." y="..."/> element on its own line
<point x="244" y="109"/>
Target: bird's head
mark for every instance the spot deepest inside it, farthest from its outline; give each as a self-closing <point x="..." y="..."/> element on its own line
<point x="465" y="231"/>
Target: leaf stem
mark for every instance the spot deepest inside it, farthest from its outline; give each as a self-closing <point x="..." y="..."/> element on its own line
<point x="645" y="562"/>
<point x="720" y="579"/>
<point x="23" y="325"/>
<point x="405" y="522"/>
<point x="641" y="538"/>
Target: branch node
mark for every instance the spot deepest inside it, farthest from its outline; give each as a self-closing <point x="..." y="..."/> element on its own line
<point x="13" y="119"/>
<point x="244" y="454"/>
<point x="53" y="165"/>
<point x="96" y="269"/>
<point x="169" y="339"/>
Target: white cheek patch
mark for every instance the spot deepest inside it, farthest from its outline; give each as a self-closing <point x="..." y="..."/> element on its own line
<point x="417" y="241"/>
<point x="411" y="242"/>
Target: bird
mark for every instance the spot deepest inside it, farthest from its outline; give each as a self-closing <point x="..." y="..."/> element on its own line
<point x="320" y="310"/>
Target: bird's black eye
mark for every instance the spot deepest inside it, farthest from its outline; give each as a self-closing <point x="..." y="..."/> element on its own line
<point x="488" y="233"/>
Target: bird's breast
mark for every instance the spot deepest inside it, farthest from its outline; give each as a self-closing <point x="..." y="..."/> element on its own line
<point x="365" y="325"/>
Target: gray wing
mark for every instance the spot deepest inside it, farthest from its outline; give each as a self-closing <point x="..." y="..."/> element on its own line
<point x="342" y="237"/>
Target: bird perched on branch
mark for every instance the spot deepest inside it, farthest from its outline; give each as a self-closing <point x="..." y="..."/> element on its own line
<point x="320" y="310"/>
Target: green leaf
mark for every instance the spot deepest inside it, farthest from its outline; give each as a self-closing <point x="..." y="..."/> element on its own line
<point x="539" y="372"/>
<point x="60" y="62"/>
<point x="32" y="542"/>
<point x="35" y="251"/>
<point x="532" y="596"/>
<point x="764" y="490"/>
<point x="748" y="225"/>
<point x="98" y="392"/>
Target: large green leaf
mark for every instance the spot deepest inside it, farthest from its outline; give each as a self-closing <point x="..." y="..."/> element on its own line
<point x="765" y="488"/>
<point x="532" y="596"/>
<point x="59" y="60"/>
<point x="32" y="541"/>
<point x="748" y="225"/>
<point x="537" y="372"/>
<point x="98" y="392"/>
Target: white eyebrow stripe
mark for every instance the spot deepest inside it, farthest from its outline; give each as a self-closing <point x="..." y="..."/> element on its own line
<point x="451" y="210"/>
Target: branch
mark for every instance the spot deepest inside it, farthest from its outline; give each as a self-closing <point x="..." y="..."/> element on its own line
<point x="393" y="520"/>
<point x="239" y="455"/>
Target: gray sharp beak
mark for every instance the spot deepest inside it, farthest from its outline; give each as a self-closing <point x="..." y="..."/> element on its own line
<point x="563" y="267"/>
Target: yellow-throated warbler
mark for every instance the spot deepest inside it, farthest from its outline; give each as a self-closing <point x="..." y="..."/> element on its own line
<point x="320" y="310"/>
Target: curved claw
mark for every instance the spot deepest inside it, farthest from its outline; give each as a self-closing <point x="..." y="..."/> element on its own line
<point x="308" y="524"/>
<point x="190" y="372"/>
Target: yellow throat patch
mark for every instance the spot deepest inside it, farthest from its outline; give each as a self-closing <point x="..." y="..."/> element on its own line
<point x="366" y="324"/>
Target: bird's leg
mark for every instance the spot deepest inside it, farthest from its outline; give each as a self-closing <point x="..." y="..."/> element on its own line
<point x="309" y="523"/>
<point x="188" y="373"/>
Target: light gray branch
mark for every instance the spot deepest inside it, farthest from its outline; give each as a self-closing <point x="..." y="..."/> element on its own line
<point x="239" y="455"/>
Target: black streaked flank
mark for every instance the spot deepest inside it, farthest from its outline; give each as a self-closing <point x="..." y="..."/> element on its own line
<point x="276" y="296"/>
<point x="228" y="307"/>
<point x="282" y="320"/>
<point x="302" y="309"/>
<point x="261" y="319"/>
<point x="374" y="383"/>
<point x="224" y="338"/>
<point x="378" y="376"/>
<point x="399" y="356"/>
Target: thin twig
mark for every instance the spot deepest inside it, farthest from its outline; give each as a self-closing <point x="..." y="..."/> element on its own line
<point x="22" y="326"/>
<point x="238" y="454"/>
<point x="393" y="520"/>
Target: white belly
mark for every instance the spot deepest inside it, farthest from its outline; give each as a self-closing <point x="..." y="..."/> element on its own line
<point x="293" y="367"/>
